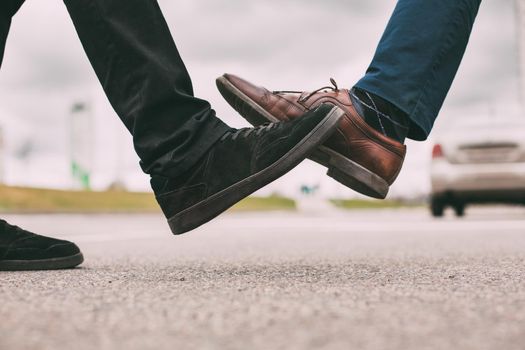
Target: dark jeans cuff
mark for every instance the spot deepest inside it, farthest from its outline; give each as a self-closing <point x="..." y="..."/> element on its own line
<point x="173" y="165"/>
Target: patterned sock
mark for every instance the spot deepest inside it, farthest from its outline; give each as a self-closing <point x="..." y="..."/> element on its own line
<point x="381" y="114"/>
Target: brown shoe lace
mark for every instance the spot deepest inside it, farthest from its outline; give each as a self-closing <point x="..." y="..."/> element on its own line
<point x="334" y="87"/>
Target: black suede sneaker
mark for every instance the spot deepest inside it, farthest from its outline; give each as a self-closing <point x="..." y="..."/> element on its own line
<point x="240" y="163"/>
<point x="24" y="250"/>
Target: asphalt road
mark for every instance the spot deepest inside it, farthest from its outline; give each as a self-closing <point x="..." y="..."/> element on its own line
<point x="342" y="280"/>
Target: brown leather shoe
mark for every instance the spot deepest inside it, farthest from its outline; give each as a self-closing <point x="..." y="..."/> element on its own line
<point x="357" y="155"/>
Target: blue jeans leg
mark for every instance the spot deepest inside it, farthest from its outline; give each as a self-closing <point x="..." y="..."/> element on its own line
<point x="418" y="57"/>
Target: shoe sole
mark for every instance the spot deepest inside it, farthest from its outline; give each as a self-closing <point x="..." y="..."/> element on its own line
<point x="340" y="168"/>
<point x="211" y="207"/>
<point x="67" y="262"/>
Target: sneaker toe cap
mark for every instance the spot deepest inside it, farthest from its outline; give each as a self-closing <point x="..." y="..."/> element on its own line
<point x="37" y="248"/>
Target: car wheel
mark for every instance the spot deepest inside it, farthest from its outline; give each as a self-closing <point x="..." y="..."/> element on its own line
<point x="437" y="207"/>
<point x="459" y="209"/>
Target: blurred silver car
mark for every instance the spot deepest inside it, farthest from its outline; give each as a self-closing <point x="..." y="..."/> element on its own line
<point x="478" y="161"/>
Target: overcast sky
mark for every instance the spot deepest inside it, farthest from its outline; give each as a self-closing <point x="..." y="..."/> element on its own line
<point x="282" y="44"/>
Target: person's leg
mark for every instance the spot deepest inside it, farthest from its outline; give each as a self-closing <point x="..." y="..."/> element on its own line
<point x="135" y="58"/>
<point x="21" y="249"/>
<point x="200" y="167"/>
<point x="401" y="94"/>
<point x="8" y="8"/>
<point x="417" y="60"/>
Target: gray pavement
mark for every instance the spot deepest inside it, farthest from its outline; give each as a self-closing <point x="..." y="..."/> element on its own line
<point x="390" y="279"/>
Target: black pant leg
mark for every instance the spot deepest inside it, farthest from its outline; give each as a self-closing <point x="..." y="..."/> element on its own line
<point x="8" y="8"/>
<point x="135" y="58"/>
